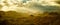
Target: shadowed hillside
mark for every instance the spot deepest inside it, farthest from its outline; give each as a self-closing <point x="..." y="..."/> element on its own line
<point x="14" y="18"/>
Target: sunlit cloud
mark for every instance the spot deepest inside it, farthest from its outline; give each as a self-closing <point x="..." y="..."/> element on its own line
<point x="29" y="5"/>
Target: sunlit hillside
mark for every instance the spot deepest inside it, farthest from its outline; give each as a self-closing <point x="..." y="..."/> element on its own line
<point x="14" y="18"/>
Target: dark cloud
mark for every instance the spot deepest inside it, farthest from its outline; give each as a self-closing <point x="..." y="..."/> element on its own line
<point x="48" y="8"/>
<point x="58" y="2"/>
<point x="24" y="1"/>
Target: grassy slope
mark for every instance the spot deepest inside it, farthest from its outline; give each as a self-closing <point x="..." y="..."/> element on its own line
<point x="14" y="18"/>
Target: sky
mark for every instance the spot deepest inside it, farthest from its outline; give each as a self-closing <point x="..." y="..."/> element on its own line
<point x="30" y="5"/>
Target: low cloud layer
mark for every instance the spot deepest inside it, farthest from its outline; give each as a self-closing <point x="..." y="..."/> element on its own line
<point x="31" y="5"/>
